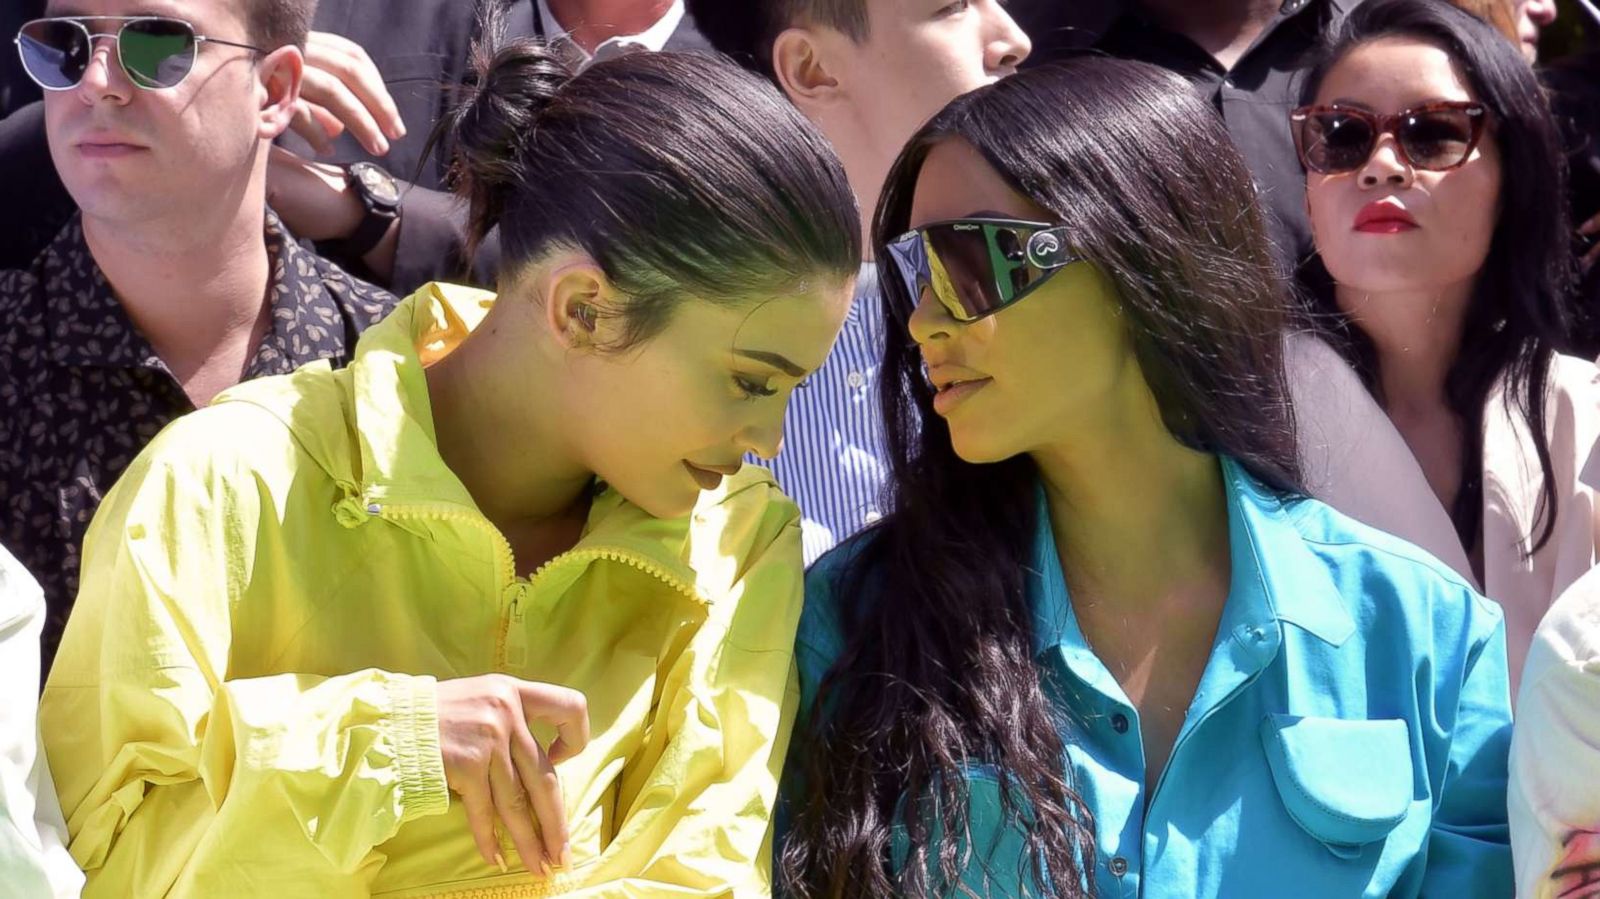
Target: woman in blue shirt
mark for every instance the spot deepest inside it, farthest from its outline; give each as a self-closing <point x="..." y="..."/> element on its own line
<point x="1104" y="646"/>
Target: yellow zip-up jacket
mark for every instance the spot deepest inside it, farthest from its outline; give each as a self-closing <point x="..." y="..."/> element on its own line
<point x="244" y="702"/>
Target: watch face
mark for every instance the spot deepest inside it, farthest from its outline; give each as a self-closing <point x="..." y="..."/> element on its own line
<point x="380" y="184"/>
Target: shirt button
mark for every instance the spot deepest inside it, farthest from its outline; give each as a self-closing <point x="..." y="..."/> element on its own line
<point x="872" y="517"/>
<point x="855" y="379"/>
<point x="1227" y="83"/>
<point x="1119" y="723"/>
<point x="1119" y="866"/>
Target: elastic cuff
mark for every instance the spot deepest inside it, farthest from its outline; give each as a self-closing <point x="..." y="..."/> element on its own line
<point x="423" y="790"/>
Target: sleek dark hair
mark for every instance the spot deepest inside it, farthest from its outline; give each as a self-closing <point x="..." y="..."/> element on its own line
<point x="1517" y="318"/>
<point x="938" y="671"/>
<point x="279" y="23"/>
<point x="681" y="175"/>
<point x="745" y="30"/>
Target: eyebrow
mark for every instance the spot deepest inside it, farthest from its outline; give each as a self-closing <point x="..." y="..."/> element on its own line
<point x="780" y="362"/>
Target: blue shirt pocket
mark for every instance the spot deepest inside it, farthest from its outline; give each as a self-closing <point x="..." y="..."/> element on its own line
<point x="1346" y="783"/>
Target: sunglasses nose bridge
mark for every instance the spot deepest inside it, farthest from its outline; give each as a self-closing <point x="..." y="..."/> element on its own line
<point x="105" y="54"/>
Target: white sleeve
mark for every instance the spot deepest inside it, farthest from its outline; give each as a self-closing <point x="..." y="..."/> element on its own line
<point x="1554" y="800"/>
<point x="34" y="861"/>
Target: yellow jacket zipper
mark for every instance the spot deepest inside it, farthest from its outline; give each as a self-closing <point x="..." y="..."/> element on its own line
<point x="511" y="648"/>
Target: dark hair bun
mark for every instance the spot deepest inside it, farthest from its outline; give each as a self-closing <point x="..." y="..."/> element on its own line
<point x="515" y="80"/>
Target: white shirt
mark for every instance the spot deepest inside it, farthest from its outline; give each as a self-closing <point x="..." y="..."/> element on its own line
<point x="653" y="38"/>
<point x="834" y="461"/>
<point x="1554" y="802"/>
<point x="34" y="863"/>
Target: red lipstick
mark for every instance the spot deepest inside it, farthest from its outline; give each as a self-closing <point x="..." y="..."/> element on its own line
<point x="1384" y="217"/>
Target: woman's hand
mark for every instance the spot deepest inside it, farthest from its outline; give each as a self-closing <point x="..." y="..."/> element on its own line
<point x="492" y="761"/>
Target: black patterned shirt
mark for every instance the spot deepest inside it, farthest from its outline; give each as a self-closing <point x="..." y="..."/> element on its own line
<point x="82" y="391"/>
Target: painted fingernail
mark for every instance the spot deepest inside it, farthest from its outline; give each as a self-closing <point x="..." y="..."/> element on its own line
<point x="545" y="867"/>
<point x="501" y="861"/>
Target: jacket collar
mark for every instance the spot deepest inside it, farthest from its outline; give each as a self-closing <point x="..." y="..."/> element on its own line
<point x="1276" y="580"/>
<point x="399" y="455"/>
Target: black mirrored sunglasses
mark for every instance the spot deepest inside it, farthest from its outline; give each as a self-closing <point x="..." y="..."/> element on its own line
<point x="976" y="267"/>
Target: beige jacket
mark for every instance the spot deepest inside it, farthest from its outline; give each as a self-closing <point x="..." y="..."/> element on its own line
<point x="1356" y="461"/>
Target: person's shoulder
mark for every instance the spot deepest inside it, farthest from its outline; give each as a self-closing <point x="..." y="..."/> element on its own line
<point x="1575" y="379"/>
<point x="828" y="571"/>
<point x="744" y="524"/>
<point x="22" y="315"/>
<point x="21" y="289"/>
<point x="1389" y="581"/>
<point x="21" y="598"/>
<point x="1572" y="411"/>
<point x="748" y="495"/>
<point x="1570" y="630"/>
<point x="252" y="433"/>
<point x="830" y="585"/>
<point x="361" y="301"/>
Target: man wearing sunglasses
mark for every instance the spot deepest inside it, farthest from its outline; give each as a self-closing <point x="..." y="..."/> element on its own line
<point x="868" y="73"/>
<point x="174" y="281"/>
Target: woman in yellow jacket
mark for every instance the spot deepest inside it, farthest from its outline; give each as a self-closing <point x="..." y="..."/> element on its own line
<point x="494" y="611"/>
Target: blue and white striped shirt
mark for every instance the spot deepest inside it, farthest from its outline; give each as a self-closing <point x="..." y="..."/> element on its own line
<point x="834" y="463"/>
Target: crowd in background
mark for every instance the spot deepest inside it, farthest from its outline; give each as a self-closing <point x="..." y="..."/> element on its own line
<point x="812" y="447"/>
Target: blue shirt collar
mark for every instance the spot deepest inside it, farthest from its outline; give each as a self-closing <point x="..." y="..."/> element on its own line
<point x="1275" y="577"/>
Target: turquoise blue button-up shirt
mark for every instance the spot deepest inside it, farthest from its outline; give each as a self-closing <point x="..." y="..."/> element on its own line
<point x="1348" y="737"/>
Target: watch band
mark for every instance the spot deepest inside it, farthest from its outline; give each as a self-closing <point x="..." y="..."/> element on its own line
<point x="382" y="207"/>
<point x="374" y="225"/>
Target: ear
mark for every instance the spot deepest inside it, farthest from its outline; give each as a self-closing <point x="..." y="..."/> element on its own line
<point x="805" y="69"/>
<point x="280" y="73"/>
<point x="579" y="305"/>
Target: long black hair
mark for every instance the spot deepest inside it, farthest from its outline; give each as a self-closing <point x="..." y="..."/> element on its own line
<point x="682" y="175"/>
<point x="938" y="671"/>
<point x="1517" y="317"/>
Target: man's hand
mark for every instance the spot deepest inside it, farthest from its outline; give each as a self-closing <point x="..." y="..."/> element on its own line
<point x="342" y="89"/>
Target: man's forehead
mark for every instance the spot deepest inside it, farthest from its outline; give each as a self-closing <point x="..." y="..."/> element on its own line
<point x="188" y="10"/>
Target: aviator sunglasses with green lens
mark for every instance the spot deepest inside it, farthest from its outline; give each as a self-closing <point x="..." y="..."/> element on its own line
<point x="977" y="266"/>
<point x="154" y="51"/>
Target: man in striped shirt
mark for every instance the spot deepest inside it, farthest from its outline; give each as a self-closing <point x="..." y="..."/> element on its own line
<point x="869" y="73"/>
